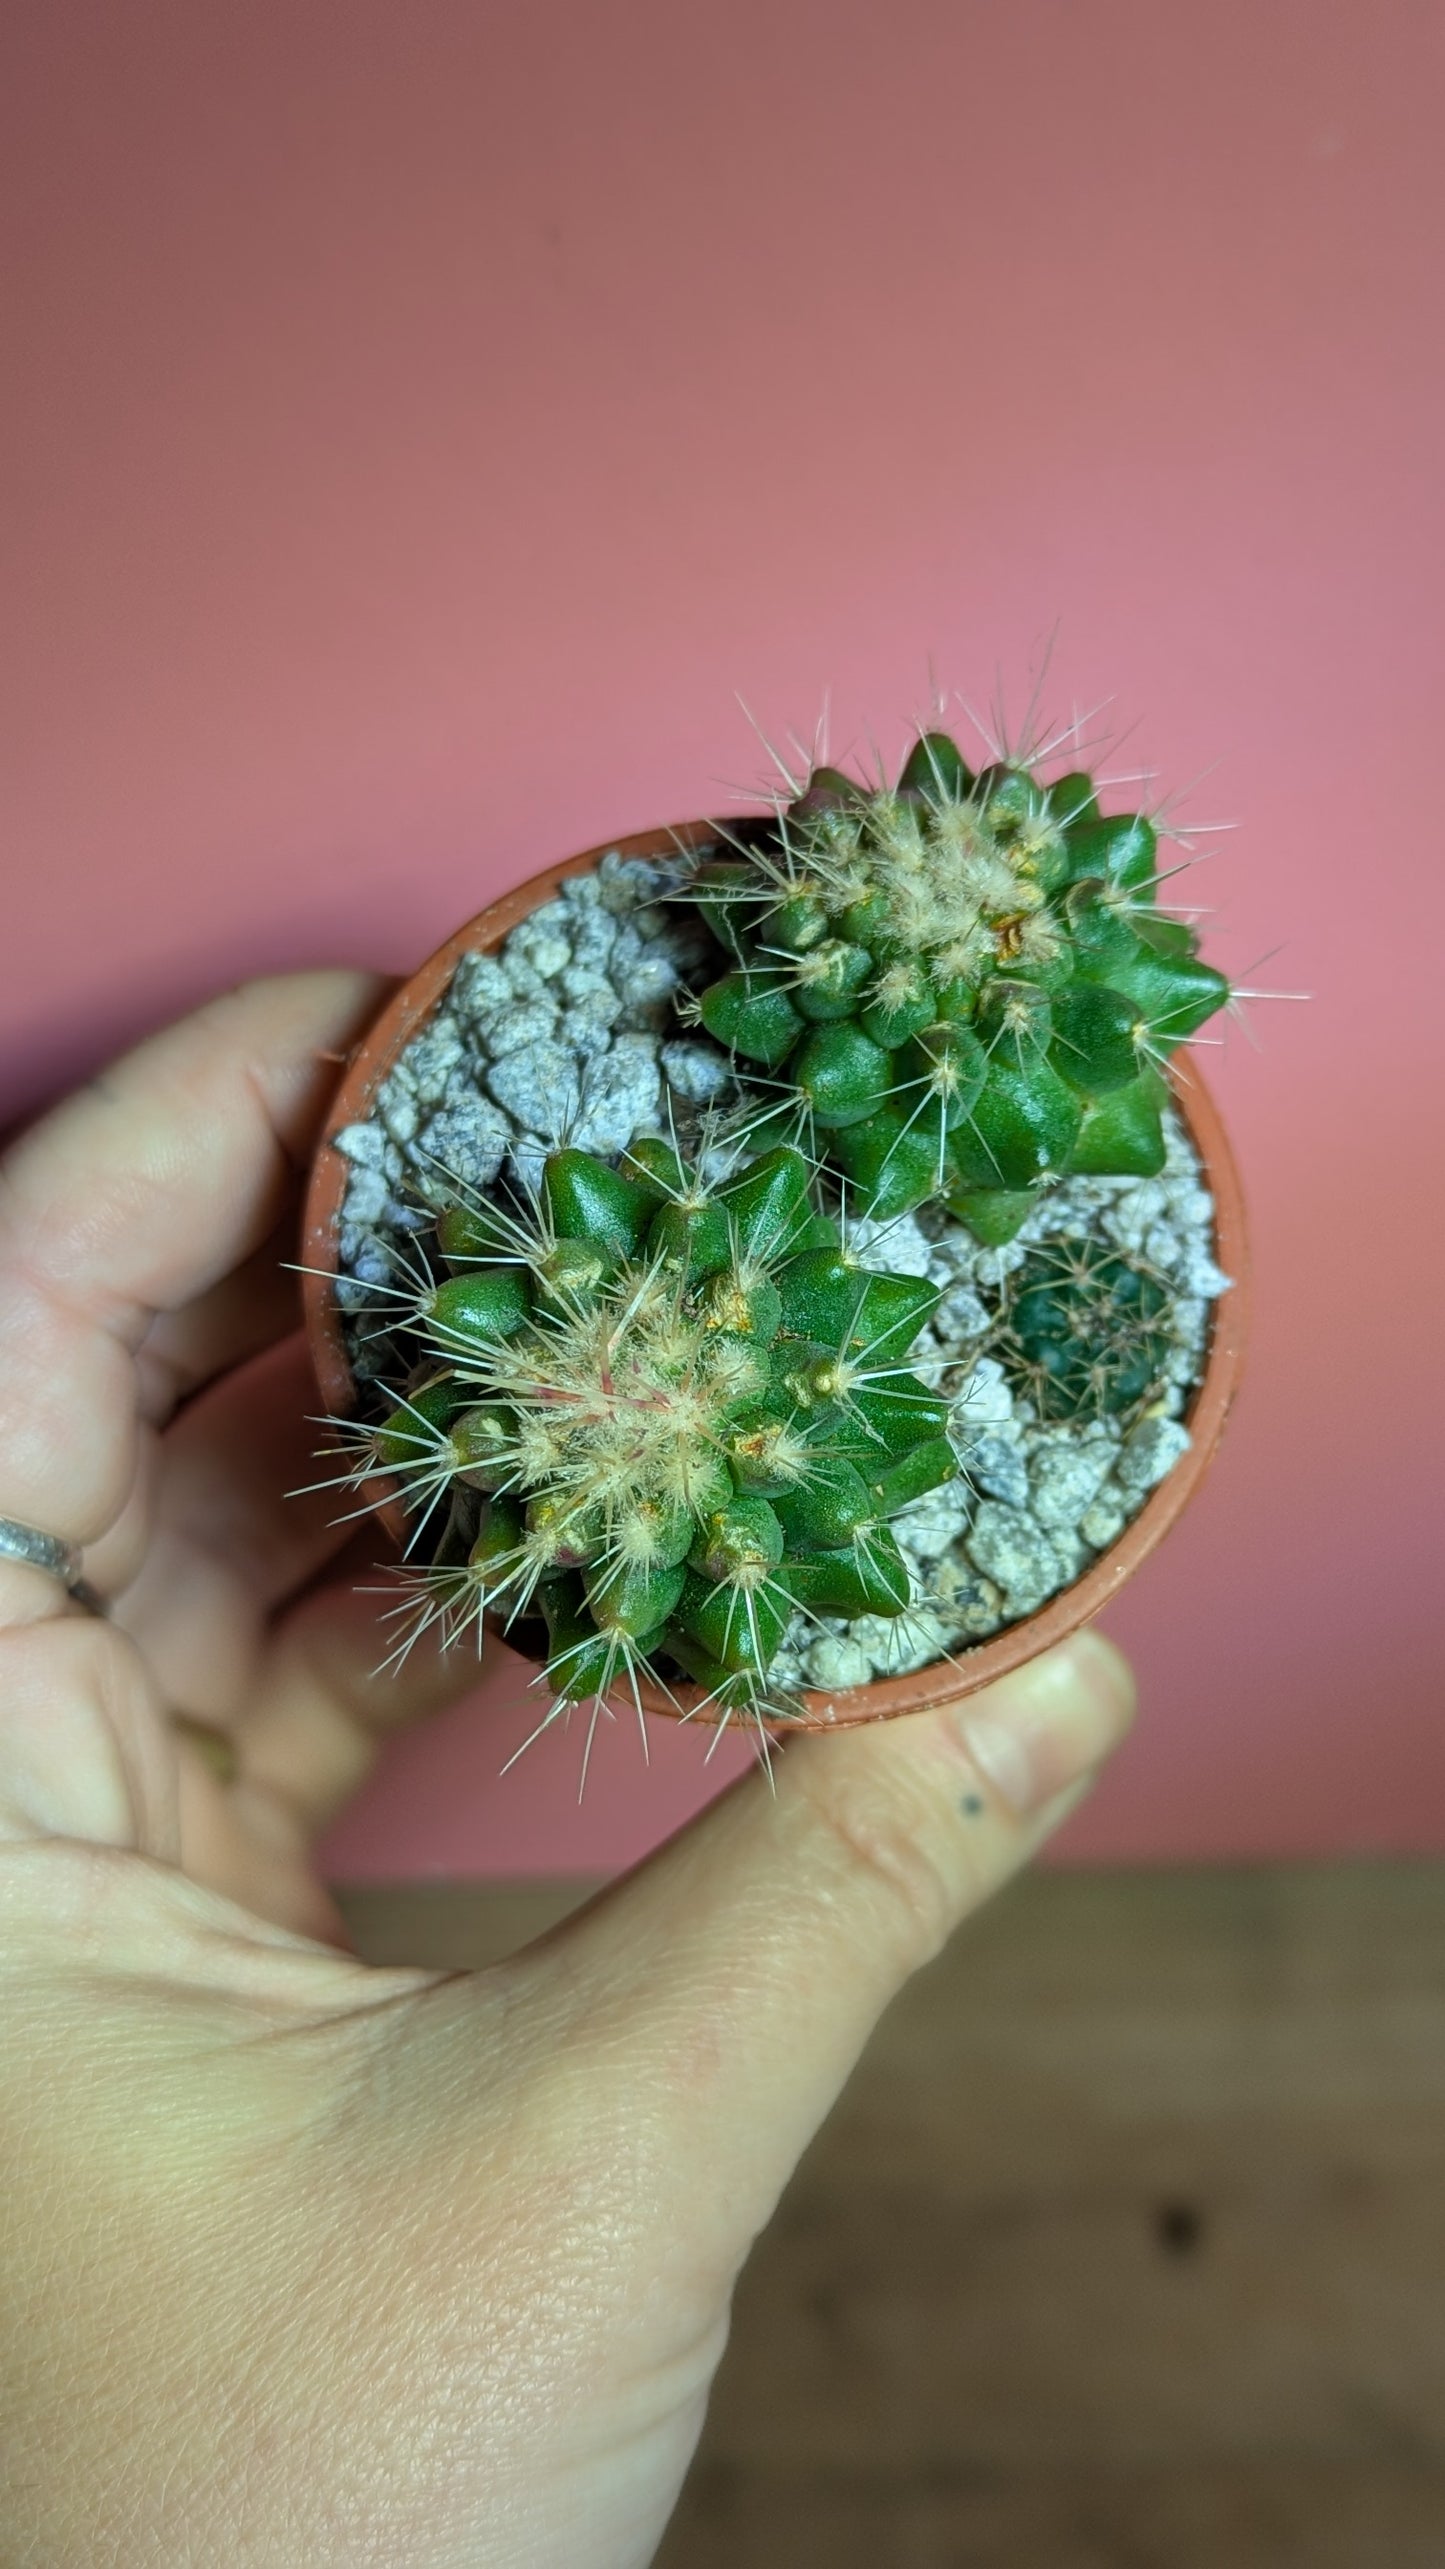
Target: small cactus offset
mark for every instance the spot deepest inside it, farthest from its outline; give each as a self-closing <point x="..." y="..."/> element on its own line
<point x="960" y="987"/>
<point x="1087" y="1330"/>
<point x="661" y="1416"/>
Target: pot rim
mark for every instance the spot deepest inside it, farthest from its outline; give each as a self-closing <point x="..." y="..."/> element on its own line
<point x="945" y="1680"/>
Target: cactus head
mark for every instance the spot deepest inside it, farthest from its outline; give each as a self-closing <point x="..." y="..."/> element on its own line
<point x="660" y="1416"/>
<point x="960" y="985"/>
<point x="1086" y="1331"/>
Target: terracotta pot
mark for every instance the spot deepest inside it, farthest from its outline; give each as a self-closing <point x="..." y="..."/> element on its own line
<point x="944" y="1681"/>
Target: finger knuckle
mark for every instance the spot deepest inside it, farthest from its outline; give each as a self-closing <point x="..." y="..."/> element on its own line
<point x="75" y="1704"/>
<point x="888" y="1850"/>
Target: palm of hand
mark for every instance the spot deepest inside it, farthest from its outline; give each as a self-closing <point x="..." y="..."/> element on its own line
<point x="302" y="2261"/>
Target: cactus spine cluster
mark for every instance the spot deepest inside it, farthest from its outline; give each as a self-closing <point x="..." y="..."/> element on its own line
<point x="960" y="986"/>
<point x="662" y="1416"/>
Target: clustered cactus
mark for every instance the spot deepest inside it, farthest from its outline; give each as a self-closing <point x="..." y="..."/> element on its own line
<point x="654" y="1414"/>
<point x="959" y="987"/>
<point x="662" y="1415"/>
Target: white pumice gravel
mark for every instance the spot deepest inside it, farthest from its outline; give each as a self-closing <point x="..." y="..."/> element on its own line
<point x="570" y="1033"/>
<point x="566" y="1034"/>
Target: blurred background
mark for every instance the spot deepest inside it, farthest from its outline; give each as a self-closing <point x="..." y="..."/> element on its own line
<point x="439" y="437"/>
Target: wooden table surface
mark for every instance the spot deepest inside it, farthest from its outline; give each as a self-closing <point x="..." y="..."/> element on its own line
<point x="1125" y="2248"/>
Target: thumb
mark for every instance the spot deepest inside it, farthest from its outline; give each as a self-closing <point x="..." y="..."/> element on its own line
<point x="728" y="1986"/>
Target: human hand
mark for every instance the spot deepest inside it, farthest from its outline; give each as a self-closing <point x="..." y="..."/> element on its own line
<point x="302" y="2262"/>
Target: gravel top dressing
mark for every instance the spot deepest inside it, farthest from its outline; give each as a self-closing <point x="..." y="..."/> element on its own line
<point x="570" y="1034"/>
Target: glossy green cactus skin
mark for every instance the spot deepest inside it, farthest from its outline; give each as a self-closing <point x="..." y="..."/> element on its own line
<point x="1087" y="1330"/>
<point x="961" y="987"/>
<point x="672" y="1414"/>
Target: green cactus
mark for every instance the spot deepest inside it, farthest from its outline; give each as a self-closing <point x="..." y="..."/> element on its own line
<point x="1086" y="1329"/>
<point x="957" y="987"/>
<point x="662" y="1415"/>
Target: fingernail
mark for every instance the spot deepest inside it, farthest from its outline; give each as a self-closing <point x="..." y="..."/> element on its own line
<point x="1037" y="1732"/>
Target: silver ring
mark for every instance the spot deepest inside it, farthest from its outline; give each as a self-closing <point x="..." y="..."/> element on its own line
<point x="46" y="1552"/>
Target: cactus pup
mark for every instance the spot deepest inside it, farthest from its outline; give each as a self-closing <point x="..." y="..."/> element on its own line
<point x="1086" y="1330"/>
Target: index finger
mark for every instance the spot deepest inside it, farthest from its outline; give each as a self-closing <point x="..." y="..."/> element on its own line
<point x="133" y="1197"/>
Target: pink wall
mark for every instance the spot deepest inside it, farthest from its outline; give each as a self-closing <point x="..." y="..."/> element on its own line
<point x="427" y="418"/>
